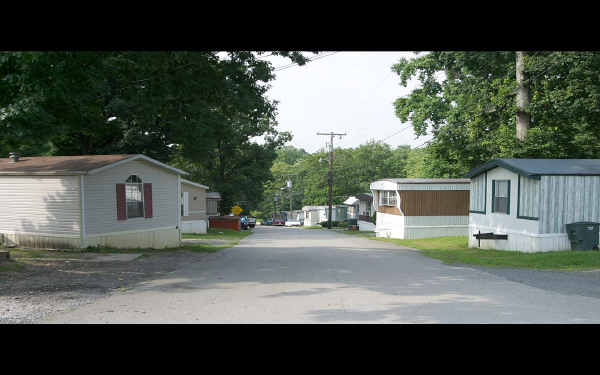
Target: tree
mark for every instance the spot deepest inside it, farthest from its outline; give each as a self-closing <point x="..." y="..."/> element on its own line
<point x="290" y="154"/>
<point x="466" y="100"/>
<point x="195" y="109"/>
<point x="354" y="170"/>
<point x="523" y="117"/>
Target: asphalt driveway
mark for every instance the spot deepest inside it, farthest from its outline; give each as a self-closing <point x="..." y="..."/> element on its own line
<point x="292" y="275"/>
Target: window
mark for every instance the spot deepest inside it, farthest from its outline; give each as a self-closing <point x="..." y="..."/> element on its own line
<point x="478" y="194"/>
<point x="501" y="196"/>
<point x="134" y="197"/>
<point x="387" y="198"/>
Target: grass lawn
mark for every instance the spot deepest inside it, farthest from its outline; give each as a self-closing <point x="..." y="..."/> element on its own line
<point x="454" y="250"/>
<point x="19" y="257"/>
<point x="358" y="233"/>
<point x="11" y="266"/>
<point x="39" y="253"/>
<point x="231" y="237"/>
<point x="219" y="234"/>
<point x="323" y="227"/>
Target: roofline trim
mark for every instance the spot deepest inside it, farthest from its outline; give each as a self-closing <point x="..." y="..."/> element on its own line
<point x="42" y="173"/>
<point x="499" y="163"/>
<point x="446" y="181"/>
<point x="137" y="157"/>
<point x="194" y="183"/>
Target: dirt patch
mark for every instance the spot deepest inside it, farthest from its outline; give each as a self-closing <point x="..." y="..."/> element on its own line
<point x="47" y="285"/>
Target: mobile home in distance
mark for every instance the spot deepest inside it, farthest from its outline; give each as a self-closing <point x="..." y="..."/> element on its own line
<point x="194" y="217"/>
<point x="313" y="215"/>
<point x="410" y="208"/>
<point x="524" y="204"/>
<point x="360" y="208"/>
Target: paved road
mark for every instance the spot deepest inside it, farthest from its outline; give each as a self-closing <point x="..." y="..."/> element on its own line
<point x="291" y="275"/>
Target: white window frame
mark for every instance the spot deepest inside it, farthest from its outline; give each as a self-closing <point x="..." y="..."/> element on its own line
<point x="127" y="200"/>
<point x="387" y="198"/>
<point x="496" y="194"/>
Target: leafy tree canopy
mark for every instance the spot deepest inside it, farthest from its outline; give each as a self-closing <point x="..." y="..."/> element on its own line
<point x="353" y="168"/>
<point x="198" y="110"/>
<point x="466" y="100"/>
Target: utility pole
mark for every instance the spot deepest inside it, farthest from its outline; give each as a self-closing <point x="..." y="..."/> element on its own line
<point x="289" y="186"/>
<point x="331" y="173"/>
<point x="523" y="116"/>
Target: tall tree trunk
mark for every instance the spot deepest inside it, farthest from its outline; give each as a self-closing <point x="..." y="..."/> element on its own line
<point x="523" y="116"/>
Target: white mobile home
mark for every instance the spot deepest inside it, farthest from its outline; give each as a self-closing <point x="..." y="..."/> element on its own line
<point x="417" y="208"/>
<point x="525" y="203"/>
<point x="93" y="200"/>
<point x="212" y="203"/>
<point x="194" y="217"/>
<point x="314" y="215"/>
<point x="359" y="205"/>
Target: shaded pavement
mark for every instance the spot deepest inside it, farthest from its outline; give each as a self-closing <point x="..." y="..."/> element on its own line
<point x="292" y="275"/>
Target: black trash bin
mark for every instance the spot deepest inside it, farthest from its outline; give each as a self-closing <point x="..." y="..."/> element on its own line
<point x="583" y="235"/>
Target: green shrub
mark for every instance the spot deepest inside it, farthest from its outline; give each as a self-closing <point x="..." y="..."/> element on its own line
<point x="334" y="224"/>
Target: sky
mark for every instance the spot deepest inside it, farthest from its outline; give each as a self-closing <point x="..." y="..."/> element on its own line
<point x="347" y="92"/>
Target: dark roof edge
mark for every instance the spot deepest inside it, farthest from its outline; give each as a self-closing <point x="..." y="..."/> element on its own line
<point x="498" y="163"/>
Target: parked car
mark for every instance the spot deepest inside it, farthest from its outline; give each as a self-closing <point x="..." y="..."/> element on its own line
<point x="251" y="221"/>
<point x="279" y="219"/>
<point x="268" y="222"/>
<point x="244" y="223"/>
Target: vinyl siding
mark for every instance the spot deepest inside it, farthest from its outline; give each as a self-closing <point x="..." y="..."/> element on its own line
<point x="40" y="204"/>
<point x="498" y="222"/>
<point x="462" y="186"/>
<point x="212" y="206"/>
<point x="197" y="207"/>
<point x="529" y="194"/>
<point x="435" y="202"/>
<point x="477" y="195"/>
<point x="568" y="199"/>
<point x="364" y="208"/>
<point x="100" y="198"/>
<point x="437" y="220"/>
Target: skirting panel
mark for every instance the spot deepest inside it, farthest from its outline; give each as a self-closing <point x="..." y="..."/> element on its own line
<point x="194" y="226"/>
<point x="524" y="242"/>
<point x="426" y="232"/>
<point x="365" y="226"/>
<point x="158" y="239"/>
<point x="39" y="241"/>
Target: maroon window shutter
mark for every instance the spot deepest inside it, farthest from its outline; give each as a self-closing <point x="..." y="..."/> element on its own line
<point x="147" y="200"/>
<point x="121" y="202"/>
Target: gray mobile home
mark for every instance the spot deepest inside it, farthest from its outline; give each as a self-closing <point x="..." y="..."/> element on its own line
<point x="89" y="200"/>
<point x="528" y="202"/>
<point x="194" y="217"/>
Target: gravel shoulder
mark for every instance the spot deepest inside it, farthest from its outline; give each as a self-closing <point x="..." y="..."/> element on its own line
<point x="61" y="282"/>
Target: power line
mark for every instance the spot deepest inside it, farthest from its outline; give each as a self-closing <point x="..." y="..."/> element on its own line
<point x="395" y="134"/>
<point x="429" y="141"/>
<point x="311" y="59"/>
<point x="294" y="64"/>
